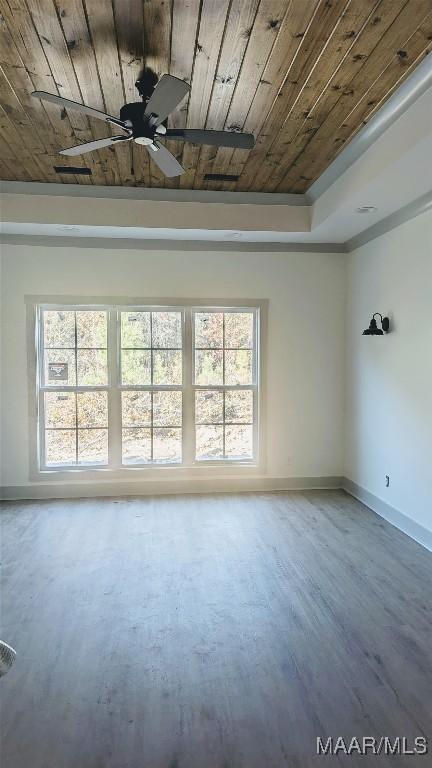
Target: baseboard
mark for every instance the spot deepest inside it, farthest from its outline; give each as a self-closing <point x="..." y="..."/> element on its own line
<point x="163" y="487"/>
<point x="404" y="523"/>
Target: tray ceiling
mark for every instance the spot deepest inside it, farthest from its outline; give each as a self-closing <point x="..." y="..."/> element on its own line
<point x="303" y="75"/>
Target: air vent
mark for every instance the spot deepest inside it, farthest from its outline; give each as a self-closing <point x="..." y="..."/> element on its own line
<point x="79" y="171"/>
<point x="220" y="177"/>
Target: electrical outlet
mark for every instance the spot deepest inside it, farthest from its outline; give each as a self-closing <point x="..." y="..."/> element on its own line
<point x="387" y="477"/>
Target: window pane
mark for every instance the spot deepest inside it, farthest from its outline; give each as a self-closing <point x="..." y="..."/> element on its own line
<point x="166" y="329"/>
<point x="239" y="407"/>
<point x="91" y="328"/>
<point x="92" y="367"/>
<point x="167" y="409"/>
<point x="59" y="328"/>
<point x="167" y="445"/>
<point x="60" y="409"/>
<point x="92" y="409"/>
<point x="167" y="367"/>
<point x="59" y="368"/>
<point x="92" y="446"/>
<point x="136" y="446"/>
<point x="239" y="330"/>
<point x="238" y="367"/>
<point x="136" y="409"/>
<point x="238" y="442"/>
<point x="208" y="367"/>
<point x="136" y="366"/>
<point x="208" y="329"/>
<point x="209" y="442"/>
<point x="60" y="447"/>
<point x="135" y="329"/>
<point x="208" y="407"/>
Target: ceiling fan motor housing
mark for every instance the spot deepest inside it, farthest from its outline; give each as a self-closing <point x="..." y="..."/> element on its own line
<point x="141" y="127"/>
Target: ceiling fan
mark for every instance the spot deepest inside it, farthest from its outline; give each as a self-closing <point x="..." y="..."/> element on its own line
<point x="145" y="123"/>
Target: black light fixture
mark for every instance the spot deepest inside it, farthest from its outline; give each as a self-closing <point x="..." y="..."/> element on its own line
<point x="373" y="329"/>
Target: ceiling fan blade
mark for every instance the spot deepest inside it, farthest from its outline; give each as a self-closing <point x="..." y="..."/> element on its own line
<point x="68" y="104"/>
<point x="215" y="138"/>
<point x="166" y="96"/>
<point x="165" y="160"/>
<point x="81" y="149"/>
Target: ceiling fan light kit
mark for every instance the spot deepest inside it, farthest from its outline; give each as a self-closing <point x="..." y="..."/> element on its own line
<point x="144" y="122"/>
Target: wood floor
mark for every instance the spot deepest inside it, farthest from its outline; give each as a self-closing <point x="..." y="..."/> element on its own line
<point x="211" y="632"/>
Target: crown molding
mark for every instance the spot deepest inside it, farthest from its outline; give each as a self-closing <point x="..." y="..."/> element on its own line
<point x="410" y="211"/>
<point x="130" y="244"/>
<point x="158" y="195"/>
<point x="411" y="89"/>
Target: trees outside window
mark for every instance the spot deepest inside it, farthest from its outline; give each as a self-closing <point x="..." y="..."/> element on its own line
<point x="138" y="386"/>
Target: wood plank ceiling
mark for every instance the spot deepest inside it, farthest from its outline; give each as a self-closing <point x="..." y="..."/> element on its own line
<point x="303" y="75"/>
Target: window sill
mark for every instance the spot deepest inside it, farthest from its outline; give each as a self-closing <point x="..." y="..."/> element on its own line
<point x="153" y="472"/>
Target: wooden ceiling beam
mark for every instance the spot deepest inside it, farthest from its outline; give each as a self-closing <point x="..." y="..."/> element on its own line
<point x="21" y="139"/>
<point x="365" y="86"/>
<point x="287" y="43"/>
<point x="157" y="54"/>
<point x="337" y="49"/>
<point x="128" y="20"/>
<point x="100" y="21"/>
<point x="264" y="33"/>
<point x="316" y="36"/>
<point x="239" y="29"/>
<point x="185" y="18"/>
<point x="48" y="27"/>
<point x="18" y="128"/>
<point x="13" y="163"/>
<point x="209" y="40"/>
<point x="363" y="45"/>
<point x="79" y="44"/>
<point x="32" y="60"/>
<point x="20" y="68"/>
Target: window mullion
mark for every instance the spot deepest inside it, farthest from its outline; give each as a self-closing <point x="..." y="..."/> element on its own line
<point x="40" y="395"/>
<point x="114" y="394"/>
<point x="151" y="413"/>
<point x="41" y="417"/>
<point x="152" y="390"/>
<point x="188" y="430"/>
<point x="76" y="384"/>
<point x="224" y="388"/>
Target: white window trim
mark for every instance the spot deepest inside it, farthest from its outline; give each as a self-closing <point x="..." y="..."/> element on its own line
<point x="114" y="469"/>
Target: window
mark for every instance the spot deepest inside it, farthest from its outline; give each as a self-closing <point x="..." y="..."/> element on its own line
<point x="126" y="387"/>
<point x="224" y="383"/>
<point x="151" y="357"/>
<point x="73" y="398"/>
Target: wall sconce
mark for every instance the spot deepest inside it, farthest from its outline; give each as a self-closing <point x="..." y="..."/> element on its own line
<point x="373" y="329"/>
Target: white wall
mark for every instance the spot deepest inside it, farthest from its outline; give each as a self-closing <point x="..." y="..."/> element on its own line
<point x="389" y="379"/>
<point x="305" y="351"/>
